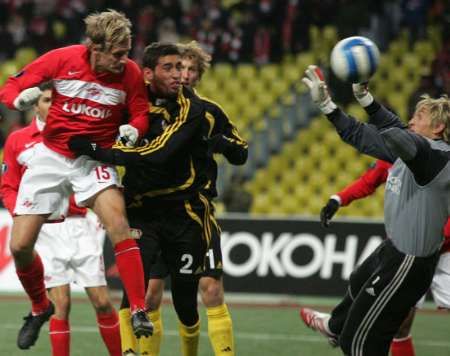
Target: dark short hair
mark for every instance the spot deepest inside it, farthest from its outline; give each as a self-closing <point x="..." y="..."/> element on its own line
<point x="46" y="85"/>
<point x="156" y="50"/>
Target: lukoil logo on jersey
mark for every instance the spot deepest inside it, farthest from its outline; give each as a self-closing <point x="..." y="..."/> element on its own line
<point x="78" y="108"/>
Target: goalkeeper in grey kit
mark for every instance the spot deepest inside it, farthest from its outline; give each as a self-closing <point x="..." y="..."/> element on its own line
<point x="384" y="288"/>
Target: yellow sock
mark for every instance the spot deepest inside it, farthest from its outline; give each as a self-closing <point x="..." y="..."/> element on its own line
<point x="189" y="338"/>
<point x="220" y="330"/>
<point x="129" y="341"/>
<point x="151" y="345"/>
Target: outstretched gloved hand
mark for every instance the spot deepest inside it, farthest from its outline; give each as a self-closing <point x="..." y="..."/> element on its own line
<point x="318" y="89"/>
<point x="361" y="93"/>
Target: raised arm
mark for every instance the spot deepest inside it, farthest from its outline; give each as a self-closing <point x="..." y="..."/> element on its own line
<point x="424" y="161"/>
<point x="365" y="138"/>
<point x="156" y="152"/>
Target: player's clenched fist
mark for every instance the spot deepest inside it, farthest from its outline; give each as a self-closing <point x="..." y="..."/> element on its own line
<point x="27" y="98"/>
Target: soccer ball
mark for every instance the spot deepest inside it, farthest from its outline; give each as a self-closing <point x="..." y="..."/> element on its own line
<point x="355" y="59"/>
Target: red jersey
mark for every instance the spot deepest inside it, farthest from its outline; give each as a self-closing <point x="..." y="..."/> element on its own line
<point x="16" y="150"/>
<point x="369" y="182"/>
<point x="84" y="102"/>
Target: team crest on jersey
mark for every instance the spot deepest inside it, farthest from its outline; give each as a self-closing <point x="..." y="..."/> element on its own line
<point x="94" y="92"/>
<point x="4" y="168"/>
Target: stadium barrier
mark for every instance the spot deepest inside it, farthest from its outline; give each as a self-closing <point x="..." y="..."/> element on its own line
<point x="287" y="256"/>
<point x="262" y="255"/>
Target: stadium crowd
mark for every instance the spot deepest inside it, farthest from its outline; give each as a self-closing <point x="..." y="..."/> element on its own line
<point x="230" y="30"/>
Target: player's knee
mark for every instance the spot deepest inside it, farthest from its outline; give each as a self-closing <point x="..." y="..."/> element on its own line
<point x="211" y="291"/>
<point x="20" y="249"/>
<point x="153" y="299"/>
<point x="102" y="305"/>
<point x="62" y="306"/>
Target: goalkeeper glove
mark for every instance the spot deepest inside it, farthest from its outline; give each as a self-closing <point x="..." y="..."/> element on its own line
<point x="328" y="211"/>
<point x="27" y="98"/>
<point x="128" y="135"/>
<point x="362" y="95"/>
<point x="318" y="89"/>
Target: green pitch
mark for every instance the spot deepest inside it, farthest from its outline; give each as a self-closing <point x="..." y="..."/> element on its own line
<point x="259" y="331"/>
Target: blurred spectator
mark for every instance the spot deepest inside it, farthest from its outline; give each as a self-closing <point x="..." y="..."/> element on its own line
<point x="426" y="86"/>
<point x="262" y="45"/>
<point x="441" y="67"/>
<point x="167" y="31"/>
<point x="414" y="14"/>
<point x="230" y="43"/>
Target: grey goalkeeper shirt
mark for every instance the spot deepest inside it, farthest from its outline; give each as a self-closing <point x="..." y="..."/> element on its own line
<point x="417" y="199"/>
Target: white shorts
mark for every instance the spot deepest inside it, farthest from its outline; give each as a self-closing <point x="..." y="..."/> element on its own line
<point x="440" y="287"/>
<point x="51" y="178"/>
<point x="72" y="251"/>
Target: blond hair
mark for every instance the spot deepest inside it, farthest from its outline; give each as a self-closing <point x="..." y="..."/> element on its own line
<point x="107" y="29"/>
<point x="439" y="111"/>
<point x="194" y="52"/>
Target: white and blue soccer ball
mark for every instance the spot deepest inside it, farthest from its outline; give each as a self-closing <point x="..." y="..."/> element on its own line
<point x="355" y="59"/>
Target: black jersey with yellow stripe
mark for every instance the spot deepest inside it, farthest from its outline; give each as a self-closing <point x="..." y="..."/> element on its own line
<point x="171" y="161"/>
<point x="218" y="123"/>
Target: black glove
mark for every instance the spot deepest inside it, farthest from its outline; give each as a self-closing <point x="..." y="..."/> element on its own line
<point x="218" y="144"/>
<point x="81" y="145"/>
<point x="328" y="211"/>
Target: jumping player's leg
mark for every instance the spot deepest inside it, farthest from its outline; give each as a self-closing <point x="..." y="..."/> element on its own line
<point x="29" y="268"/>
<point x="109" y="206"/>
<point x="30" y="271"/>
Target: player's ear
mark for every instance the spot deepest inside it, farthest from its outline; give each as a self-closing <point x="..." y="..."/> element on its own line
<point x="148" y="74"/>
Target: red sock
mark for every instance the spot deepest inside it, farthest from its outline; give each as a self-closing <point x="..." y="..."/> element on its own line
<point x="32" y="279"/>
<point x="60" y="337"/>
<point x="108" y="325"/>
<point x="402" y="347"/>
<point x="129" y="264"/>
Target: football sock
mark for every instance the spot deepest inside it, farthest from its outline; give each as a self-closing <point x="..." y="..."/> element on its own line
<point x="59" y="331"/>
<point x="402" y="347"/>
<point x="32" y="279"/>
<point x="189" y="338"/>
<point x="220" y="330"/>
<point x="108" y="324"/>
<point x="151" y="345"/>
<point x="129" y="264"/>
<point x="127" y="337"/>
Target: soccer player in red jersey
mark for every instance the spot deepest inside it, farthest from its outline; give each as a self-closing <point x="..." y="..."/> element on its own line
<point x="365" y="185"/>
<point x="95" y="83"/>
<point x="71" y="251"/>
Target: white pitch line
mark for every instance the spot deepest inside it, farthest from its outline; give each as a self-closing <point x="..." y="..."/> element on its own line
<point x="248" y="336"/>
